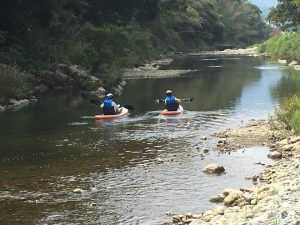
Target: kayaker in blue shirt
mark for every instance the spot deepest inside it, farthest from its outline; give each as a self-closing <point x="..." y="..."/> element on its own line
<point x="108" y="106"/>
<point x="171" y="102"/>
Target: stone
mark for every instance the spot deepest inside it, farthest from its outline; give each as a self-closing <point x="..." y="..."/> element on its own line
<point x="297" y="67"/>
<point x="296" y="148"/>
<point x="232" y="198"/>
<point x="288" y="147"/>
<point x="18" y="104"/>
<point x="214" y="168"/>
<point x="293" y="63"/>
<point x="205" y="150"/>
<point x="275" y="155"/>
<point x="282" y="61"/>
<point x="78" y="190"/>
<point x="217" y="198"/>
<point x="283" y="142"/>
<point x="294" y="140"/>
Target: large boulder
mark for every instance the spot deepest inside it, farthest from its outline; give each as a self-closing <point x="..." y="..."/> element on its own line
<point x="214" y="168"/>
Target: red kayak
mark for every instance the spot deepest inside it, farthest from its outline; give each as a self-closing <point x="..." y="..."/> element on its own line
<point x="123" y="112"/>
<point x="170" y="113"/>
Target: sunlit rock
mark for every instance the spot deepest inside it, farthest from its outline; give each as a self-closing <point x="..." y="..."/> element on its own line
<point x="213" y="168"/>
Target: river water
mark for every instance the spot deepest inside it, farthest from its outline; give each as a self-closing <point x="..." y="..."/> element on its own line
<point x="136" y="169"/>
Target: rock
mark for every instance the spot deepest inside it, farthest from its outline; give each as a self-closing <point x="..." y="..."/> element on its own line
<point x="227" y="191"/>
<point x="222" y="141"/>
<point x="297" y="67"/>
<point x="213" y="169"/>
<point x="294" y="140"/>
<point x="275" y="155"/>
<point x="78" y="191"/>
<point x="205" y="150"/>
<point x="217" y="198"/>
<point x="282" y="61"/>
<point x="18" y="104"/>
<point x="293" y="63"/>
<point x="296" y="148"/>
<point x="288" y="147"/>
<point x="233" y="197"/>
<point x="283" y="142"/>
<point x="2" y="108"/>
<point x="160" y="160"/>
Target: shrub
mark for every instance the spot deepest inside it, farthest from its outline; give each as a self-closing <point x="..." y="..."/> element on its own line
<point x="13" y="82"/>
<point x="289" y="113"/>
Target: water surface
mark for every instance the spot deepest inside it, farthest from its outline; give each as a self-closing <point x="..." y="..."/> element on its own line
<point x="135" y="169"/>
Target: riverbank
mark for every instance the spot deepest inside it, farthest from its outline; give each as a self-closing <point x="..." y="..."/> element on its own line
<point x="275" y="196"/>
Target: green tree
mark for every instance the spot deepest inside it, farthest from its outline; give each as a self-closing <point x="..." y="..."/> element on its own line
<point x="286" y="14"/>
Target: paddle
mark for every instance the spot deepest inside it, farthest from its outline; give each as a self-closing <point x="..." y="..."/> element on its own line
<point x="182" y="99"/>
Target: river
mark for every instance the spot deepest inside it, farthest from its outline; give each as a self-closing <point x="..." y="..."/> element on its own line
<point x="136" y="169"/>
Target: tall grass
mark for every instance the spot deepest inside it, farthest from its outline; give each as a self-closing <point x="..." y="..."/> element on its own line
<point x="283" y="46"/>
<point x="289" y="113"/>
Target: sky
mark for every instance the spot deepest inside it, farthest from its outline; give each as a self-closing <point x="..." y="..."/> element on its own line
<point x="263" y="4"/>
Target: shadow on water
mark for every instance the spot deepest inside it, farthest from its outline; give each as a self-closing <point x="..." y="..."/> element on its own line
<point x="134" y="169"/>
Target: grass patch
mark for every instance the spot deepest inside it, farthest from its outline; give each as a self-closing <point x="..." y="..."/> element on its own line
<point x="289" y="113"/>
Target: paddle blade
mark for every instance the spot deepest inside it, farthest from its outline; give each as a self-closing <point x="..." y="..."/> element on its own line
<point x="187" y="99"/>
<point x="159" y="100"/>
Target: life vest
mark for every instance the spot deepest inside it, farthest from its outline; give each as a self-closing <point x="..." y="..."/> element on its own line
<point x="108" y="103"/>
<point x="170" y="99"/>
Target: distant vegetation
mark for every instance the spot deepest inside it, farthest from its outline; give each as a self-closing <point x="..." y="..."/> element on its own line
<point x="104" y="36"/>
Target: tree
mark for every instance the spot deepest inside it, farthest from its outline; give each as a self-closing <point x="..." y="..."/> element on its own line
<point x="286" y="14"/>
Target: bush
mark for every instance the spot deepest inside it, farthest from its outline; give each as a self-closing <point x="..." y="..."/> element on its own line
<point x="13" y="83"/>
<point x="289" y="113"/>
<point x="283" y="46"/>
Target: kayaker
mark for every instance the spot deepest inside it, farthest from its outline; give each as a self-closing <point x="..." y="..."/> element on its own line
<point x="171" y="102"/>
<point x="109" y="107"/>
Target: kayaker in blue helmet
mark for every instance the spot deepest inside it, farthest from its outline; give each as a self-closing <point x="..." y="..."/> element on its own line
<point x="171" y="102"/>
<point x="109" y="107"/>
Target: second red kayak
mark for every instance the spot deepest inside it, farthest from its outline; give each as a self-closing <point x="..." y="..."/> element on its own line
<point x="170" y="113"/>
<point x="124" y="112"/>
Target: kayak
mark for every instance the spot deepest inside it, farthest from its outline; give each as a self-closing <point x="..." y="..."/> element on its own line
<point x="124" y="112"/>
<point x="170" y="113"/>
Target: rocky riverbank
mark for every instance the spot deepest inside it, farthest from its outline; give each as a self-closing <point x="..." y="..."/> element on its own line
<point x="275" y="196"/>
<point x="61" y="77"/>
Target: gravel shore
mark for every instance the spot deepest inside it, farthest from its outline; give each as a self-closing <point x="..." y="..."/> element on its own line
<point x="275" y="197"/>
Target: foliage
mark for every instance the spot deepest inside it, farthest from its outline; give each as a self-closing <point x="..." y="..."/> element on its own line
<point x="13" y="82"/>
<point x="286" y="15"/>
<point x="289" y="113"/>
<point x="104" y="36"/>
<point x="284" y="46"/>
<point x="242" y="22"/>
